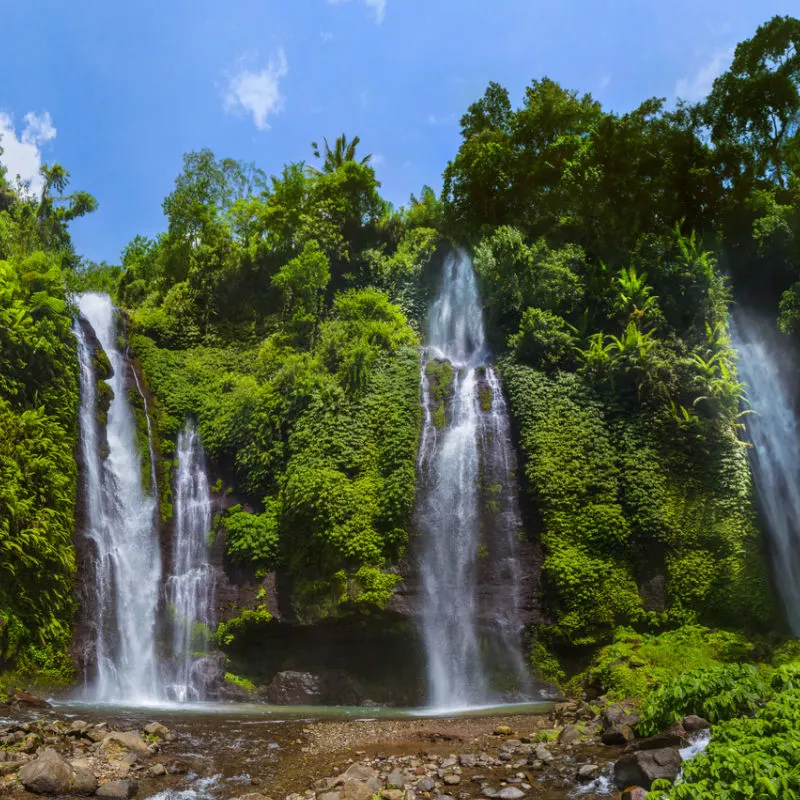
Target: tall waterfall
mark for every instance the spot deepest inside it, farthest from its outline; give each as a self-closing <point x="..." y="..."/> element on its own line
<point x="120" y="523"/>
<point x="190" y="587"/>
<point x="775" y="454"/>
<point x="468" y="511"/>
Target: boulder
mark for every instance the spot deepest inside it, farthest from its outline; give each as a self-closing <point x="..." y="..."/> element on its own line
<point x="588" y="772"/>
<point x="252" y="796"/>
<point x="451" y="779"/>
<point x="618" y="735"/>
<point x="393" y="794"/>
<point x="329" y="796"/>
<point x="398" y="778"/>
<point x="129" y="741"/>
<point x="361" y="774"/>
<point x="568" y="735"/>
<point x="356" y="790"/>
<point x="642" y="767"/>
<point x="50" y="774"/>
<point x="294" y="689"/>
<point x="467" y="760"/>
<point x="426" y="785"/>
<point x="158" y="770"/>
<point x="541" y="753"/>
<point x="10" y="767"/>
<point x="157" y="729"/>
<point x="25" y="700"/>
<point x="692" y="724"/>
<point x="674" y="736"/>
<point x="118" y="790"/>
<point x="618" y="714"/>
<point x="341" y="689"/>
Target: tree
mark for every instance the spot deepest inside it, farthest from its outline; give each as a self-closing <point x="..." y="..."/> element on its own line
<point x="342" y="152"/>
<point x="754" y="107"/>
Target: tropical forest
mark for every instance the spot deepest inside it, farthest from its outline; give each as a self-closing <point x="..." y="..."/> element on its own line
<point x="495" y="493"/>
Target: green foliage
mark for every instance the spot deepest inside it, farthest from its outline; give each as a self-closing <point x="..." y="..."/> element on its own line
<point x="634" y="663"/>
<point x="254" y="537"/>
<point x="715" y="693"/>
<point x="625" y="498"/>
<point x="248" y="619"/>
<point x="38" y="409"/>
<point x="236" y="680"/>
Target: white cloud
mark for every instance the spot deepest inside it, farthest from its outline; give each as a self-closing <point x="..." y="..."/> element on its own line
<point x="446" y="120"/>
<point x="378" y="6"/>
<point x="696" y="87"/>
<point x="258" y="92"/>
<point x="326" y="36"/>
<point x="23" y="156"/>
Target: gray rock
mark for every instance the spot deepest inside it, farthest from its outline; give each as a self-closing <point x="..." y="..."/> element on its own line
<point x="568" y="735"/>
<point x="467" y="760"/>
<point x="157" y="770"/>
<point x="399" y="778"/>
<point x="543" y="754"/>
<point x="693" y="723"/>
<point x="588" y="772"/>
<point x="359" y="773"/>
<point x="644" y="766"/>
<point x="329" y="796"/>
<point x="118" y="790"/>
<point x="451" y="779"/>
<point x="356" y="790"/>
<point x="10" y="767"/>
<point x="130" y="741"/>
<point x="510" y="793"/>
<point x="51" y="774"/>
<point x="510" y="744"/>
<point x="425" y="785"/>
<point x="618" y="735"/>
<point x="157" y="729"/>
<point x="295" y="689"/>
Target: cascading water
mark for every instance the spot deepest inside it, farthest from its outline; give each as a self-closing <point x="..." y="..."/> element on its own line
<point x="468" y="509"/>
<point x="190" y="588"/>
<point x="774" y="455"/>
<point x="120" y="523"/>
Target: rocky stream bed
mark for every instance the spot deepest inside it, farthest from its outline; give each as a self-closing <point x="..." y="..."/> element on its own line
<point x="193" y="754"/>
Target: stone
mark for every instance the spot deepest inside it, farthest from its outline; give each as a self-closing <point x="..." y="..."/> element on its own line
<point x="392" y="794"/>
<point x="692" y="724"/>
<point x="178" y="768"/>
<point x="359" y="773"/>
<point x="329" y="796"/>
<point x="674" y="736"/>
<point x="96" y="734"/>
<point x="84" y="782"/>
<point x="158" y="770"/>
<point x="510" y="793"/>
<point x="588" y="772"/>
<point x="467" y="760"/>
<point x="503" y="730"/>
<point x="118" y="790"/>
<point x="451" y="779"/>
<point x="291" y="688"/>
<point x="25" y="700"/>
<point x="157" y="729"/>
<point x="50" y="774"/>
<point x="618" y="735"/>
<point x="543" y="754"/>
<point x="10" y="767"/>
<point x="634" y="793"/>
<point x="30" y="743"/>
<point x="510" y="744"/>
<point x="642" y="767"/>
<point x="78" y="728"/>
<point x="130" y="741"/>
<point x="398" y="778"/>
<point x="568" y="735"/>
<point x="426" y="785"/>
<point x="252" y="796"/>
<point x="119" y="768"/>
<point x="356" y="790"/>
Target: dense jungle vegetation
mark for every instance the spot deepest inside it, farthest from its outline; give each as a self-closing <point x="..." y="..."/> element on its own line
<point x="284" y="313"/>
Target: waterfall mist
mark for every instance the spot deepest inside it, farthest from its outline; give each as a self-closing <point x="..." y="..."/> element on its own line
<point x="467" y="509"/>
<point x="120" y="524"/>
<point x="190" y="587"/>
<point x="775" y="452"/>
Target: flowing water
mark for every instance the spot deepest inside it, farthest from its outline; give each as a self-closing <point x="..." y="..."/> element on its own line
<point x="190" y="587"/>
<point x="119" y="522"/>
<point x="468" y="510"/>
<point x="775" y="453"/>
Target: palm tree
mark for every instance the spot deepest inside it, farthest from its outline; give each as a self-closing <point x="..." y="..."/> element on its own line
<point x="342" y="152"/>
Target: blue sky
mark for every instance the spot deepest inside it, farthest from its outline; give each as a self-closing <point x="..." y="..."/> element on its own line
<point x="117" y="92"/>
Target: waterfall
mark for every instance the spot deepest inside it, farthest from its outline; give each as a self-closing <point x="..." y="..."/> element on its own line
<point x="774" y="455"/>
<point x="467" y="510"/>
<point x="120" y="524"/>
<point x="190" y="587"/>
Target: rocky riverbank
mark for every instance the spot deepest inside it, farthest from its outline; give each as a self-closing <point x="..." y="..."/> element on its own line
<point x="570" y="752"/>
